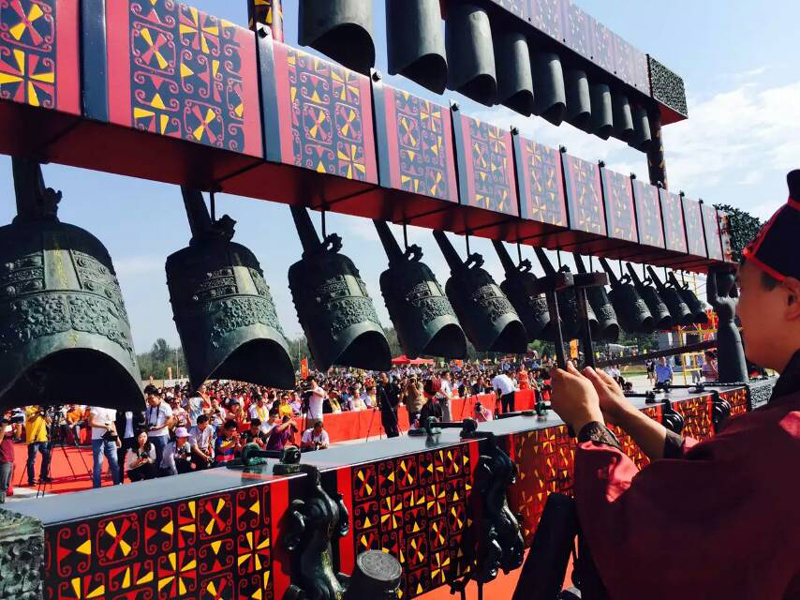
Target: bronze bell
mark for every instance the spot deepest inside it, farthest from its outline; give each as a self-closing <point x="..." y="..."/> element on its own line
<point x="420" y="312"/>
<point x="571" y="322"/>
<point x="696" y="306"/>
<point x="64" y="331"/>
<point x="531" y="307"/>
<point x="641" y="138"/>
<point x="678" y="310"/>
<point x="661" y="316"/>
<point x="415" y="39"/>
<point x="602" y="123"/>
<point x="470" y="52"/>
<point x="579" y="99"/>
<point x="623" y="118"/>
<point x="632" y="312"/>
<point x="550" y="97"/>
<point x="223" y="308"/>
<point x="340" y="29"/>
<point x="488" y="318"/>
<point x="608" y="327"/>
<point x="333" y="305"/>
<point x="513" y="65"/>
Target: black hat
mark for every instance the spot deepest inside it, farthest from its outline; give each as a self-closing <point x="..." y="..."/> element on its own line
<point x="774" y="249"/>
<point x="152" y="390"/>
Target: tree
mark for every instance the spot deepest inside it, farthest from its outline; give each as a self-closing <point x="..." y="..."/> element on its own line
<point x="743" y="228"/>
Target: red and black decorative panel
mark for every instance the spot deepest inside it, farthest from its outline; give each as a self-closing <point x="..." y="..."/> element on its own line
<point x="547" y="16"/>
<point x="266" y="12"/>
<point x="322" y="114"/>
<point x="176" y="71"/>
<point x="672" y="214"/>
<point x="416" y="507"/>
<point x="725" y="235"/>
<point x="648" y="214"/>
<point x="541" y="182"/>
<point x="618" y="197"/>
<point x="578" y="29"/>
<point x="584" y="195"/>
<point x="697" y="418"/>
<point x="218" y="546"/>
<point x="695" y="235"/>
<point x="711" y="228"/>
<point x="630" y="447"/>
<point x="486" y="171"/>
<point x="415" y="142"/>
<point x="738" y="400"/>
<point x="39" y="47"/>
<point x="545" y="461"/>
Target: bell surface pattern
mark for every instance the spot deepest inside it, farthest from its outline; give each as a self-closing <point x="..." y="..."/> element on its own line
<point x="632" y="312"/>
<point x="470" y="53"/>
<point x="697" y="309"/>
<point x="678" y="310"/>
<point x="340" y="29"/>
<point x="518" y="286"/>
<point x="600" y="305"/>
<point x="662" y="319"/>
<point x="64" y="330"/>
<point x="415" y="36"/>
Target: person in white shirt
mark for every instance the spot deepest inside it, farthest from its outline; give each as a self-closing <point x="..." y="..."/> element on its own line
<point x="140" y="460"/>
<point x="158" y="420"/>
<point x="315" y="438"/>
<point x="315" y="399"/>
<point x="104" y="443"/>
<point x="197" y="404"/>
<point x="202" y="440"/>
<point x="259" y="410"/>
<point x="446" y="391"/>
<point x="504" y="387"/>
<point x="177" y="455"/>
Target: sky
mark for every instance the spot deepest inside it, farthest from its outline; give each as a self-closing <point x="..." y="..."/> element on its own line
<point x="739" y="62"/>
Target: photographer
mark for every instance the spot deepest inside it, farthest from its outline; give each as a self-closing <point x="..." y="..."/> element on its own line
<point x="227" y="445"/>
<point x="158" y="418"/>
<point x="105" y="441"/>
<point x="128" y="423"/>
<point x="202" y="440"/>
<point x="255" y="435"/>
<point x="388" y="394"/>
<point x="316" y="438"/>
<point x="6" y="455"/>
<point x="140" y="461"/>
<point x="177" y="455"/>
<point x="281" y="435"/>
<point x="37" y="438"/>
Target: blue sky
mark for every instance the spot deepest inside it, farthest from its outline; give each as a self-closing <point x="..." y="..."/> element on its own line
<point x="740" y="65"/>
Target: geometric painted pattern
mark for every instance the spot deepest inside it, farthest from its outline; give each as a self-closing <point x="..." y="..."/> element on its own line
<point x="584" y="195"/>
<point x="629" y="447"/>
<point x="711" y="227"/>
<point x="648" y="214"/>
<point x="216" y="547"/>
<point x="694" y="227"/>
<point x="697" y="417"/>
<point x="674" y="233"/>
<point x="738" y="400"/>
<point x="619" y="206"/>
<point x="541" y="183"/>
<point x="415" y="507"/>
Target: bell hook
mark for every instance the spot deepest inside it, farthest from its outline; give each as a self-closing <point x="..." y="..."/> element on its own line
<point x="608" y="326"/>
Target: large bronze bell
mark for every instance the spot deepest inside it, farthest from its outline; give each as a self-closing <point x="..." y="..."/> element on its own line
<point x="696" y="306"/>
<point x="518" y="286"/>
<point x="661" y="316"/>
<point x="488" y="318"/>
<point x="514" y="77"/>
<point x="223" y="308"/>
<point x="623" y="117"/>
<point x="602" y="123"/>
<point x="608" y="327"/>
<point x="632" y="312"/>
<point x="415" y="39"/>
<point x="64" y="332"/>
<point x="420" y="312"/>
<point x="550" y="96"/>
<point x="340" y="29"/>
<point x="678" y="310"/>
<point x="579" y="99"/>
<point x="333" y="305"/>
<point x="571" y="322"/>
<point x="470" y="52"/>
<point x="641" y="138"/>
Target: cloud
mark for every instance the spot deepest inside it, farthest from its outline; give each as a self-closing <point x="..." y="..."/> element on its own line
<point x="137" y="266"/>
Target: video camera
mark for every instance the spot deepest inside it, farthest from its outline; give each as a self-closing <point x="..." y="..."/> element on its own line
<point x="13" y="420"/>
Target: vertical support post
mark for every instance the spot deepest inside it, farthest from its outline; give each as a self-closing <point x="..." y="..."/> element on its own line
<point x="555" y="320"/>
<point x="586" y="330"/>
<point x="266" y="12"/>
<point x="657" y="167"/>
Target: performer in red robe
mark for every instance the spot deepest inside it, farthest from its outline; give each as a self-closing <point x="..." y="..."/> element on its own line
<point x="717" y="519"/>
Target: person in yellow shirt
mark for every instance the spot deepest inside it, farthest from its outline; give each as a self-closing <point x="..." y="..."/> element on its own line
<point x="284" y="408"/>
<point x="38" y="440"/>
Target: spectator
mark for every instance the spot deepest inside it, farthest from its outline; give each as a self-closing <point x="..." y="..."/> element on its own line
<point x="158" y="420"/>
<point x="177" y="455"/>
<point x="296" y="405"/>
<point x="413" y="399"/>
<point x="284" y="407"/>
<point x="710" y="367"/>
<point x="482" y="414"/>
<point x="180" y="416"/>
<point x="431" y="408"/>
<point x="6" y="456"/>
<point x="663" y="372"/>
<point x="198" y="404"/>
<point x="74" y="418"/>
<point x="254" y="435"/>
<point x="105" y="442"/>
<point x="140" y="460"/>
<point x="316" y="395"/>
<point x="36" y="436"/>
<point x="202" y="440"/>
<point x="259" y="411"/>
<point x="218" y="414"/>
<point x="445" y="395"/>
<point x="388" y="395"/>
<point x="316" y="438"/>
<point x="128" y="424"/>
<point x="504" y="388"/>
<point x="332" y="404"/>
<point x="281" y="435"/>
<point x="227" y="445"/>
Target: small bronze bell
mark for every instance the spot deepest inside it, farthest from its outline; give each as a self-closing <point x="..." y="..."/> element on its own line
<point x="602" y="123"/>
<point x="420" y="312"/>
<point x="608" y="327"/>
<point x="531" y="307"/>
<point x="571" y="322"/>
<point x="416" y="42"/>
<point x="579" y="99"/>
<point x="223" y="308"/>
<point x="488" y="318"/>
<point x="514" y="77"/>
<point x="696" y="306"/>
<point x="470" y="52"/>
<point x="623" y="118"/>
<point x="641" y="138"/>
<point x="333" y="305"/>
<point x="678" y="310"/>
<point x="64" y="332"/>
<point x="340" y="29"/>
<point x="655" y="304"/>
<point x="632" y="312"/>
<point x="550" y="96"/>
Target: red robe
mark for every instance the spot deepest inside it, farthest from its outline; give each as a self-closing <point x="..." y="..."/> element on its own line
<point x="720" y="522"/>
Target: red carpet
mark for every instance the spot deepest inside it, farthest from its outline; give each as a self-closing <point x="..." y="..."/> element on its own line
<point x="64" y="481"/>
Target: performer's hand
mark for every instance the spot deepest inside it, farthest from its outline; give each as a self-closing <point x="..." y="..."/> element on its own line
<point x="612" y="401"/>
<point x="574" y="398"/>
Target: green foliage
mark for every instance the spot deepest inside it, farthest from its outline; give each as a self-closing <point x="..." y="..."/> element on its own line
<point x="156" y="363"/>
<point x="743" y="228"/>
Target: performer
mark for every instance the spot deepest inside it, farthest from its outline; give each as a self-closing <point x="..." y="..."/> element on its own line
<point x="715" y="521"/>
